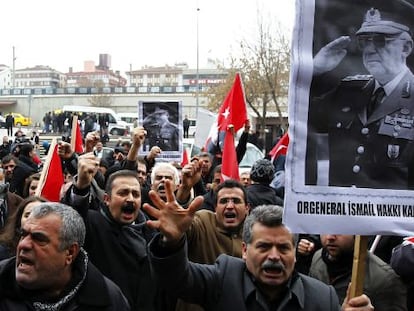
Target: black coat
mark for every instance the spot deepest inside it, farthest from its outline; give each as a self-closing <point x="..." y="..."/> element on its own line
<point x="12" y="297"/>
<point x="227" y="285"/>
<point x="119" y="252"/>
<point x="368" y="152"/>
<point x="259" y="194"/>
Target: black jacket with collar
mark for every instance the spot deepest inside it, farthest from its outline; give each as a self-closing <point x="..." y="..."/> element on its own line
<point x="13" y="297"/>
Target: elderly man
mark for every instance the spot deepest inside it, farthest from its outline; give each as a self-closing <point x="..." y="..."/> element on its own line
<point x="368" y="118"/>
<point x="263" y="279"/>
<point x="51" y="271"/>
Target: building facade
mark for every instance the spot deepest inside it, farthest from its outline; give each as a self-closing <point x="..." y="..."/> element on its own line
<point x="39" y="77"/>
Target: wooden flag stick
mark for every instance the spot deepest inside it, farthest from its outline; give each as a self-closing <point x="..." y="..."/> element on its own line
<point x="358" y="266"/>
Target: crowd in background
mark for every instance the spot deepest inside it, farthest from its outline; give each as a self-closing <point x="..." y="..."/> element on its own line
<point x="142" y="219"/>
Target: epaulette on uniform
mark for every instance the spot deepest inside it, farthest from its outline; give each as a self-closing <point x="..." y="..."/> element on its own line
<point x="358" y="81"/>
<point x="357" y="78"/>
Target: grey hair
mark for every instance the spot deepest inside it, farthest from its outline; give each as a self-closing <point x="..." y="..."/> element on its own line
<point x="73" y="228"/>
<point x="267" y="215"/>
<point x="165" y="165"/>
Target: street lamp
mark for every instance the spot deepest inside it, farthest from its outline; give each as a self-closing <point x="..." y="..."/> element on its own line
<point x="197" y="71"/>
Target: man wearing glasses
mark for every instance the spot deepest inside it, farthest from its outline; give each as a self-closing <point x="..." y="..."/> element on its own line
<point x="369" y="118"/>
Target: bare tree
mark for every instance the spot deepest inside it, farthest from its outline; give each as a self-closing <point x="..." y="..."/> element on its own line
<point x="100" y="99"/>
<point x="264" y="65"/>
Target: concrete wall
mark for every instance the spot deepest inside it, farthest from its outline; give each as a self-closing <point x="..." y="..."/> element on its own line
<point x="37" y="105"/>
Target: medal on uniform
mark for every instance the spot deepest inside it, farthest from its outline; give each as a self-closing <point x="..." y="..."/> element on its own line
<point x="393" y="151"/>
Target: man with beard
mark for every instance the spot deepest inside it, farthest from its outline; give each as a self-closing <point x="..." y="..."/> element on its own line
<point x="263" y="280"/>
<point x="115" y="231"/>
<point x="333" y="265"/>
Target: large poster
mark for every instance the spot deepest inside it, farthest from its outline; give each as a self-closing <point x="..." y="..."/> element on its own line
<point x="350" y="165"/>
<point x="163" y="122"/>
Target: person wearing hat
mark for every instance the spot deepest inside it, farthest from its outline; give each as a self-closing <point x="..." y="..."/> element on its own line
<point x="260" y="192"/>
<point x="161" y="132"/>
<point x="368" y="117"/>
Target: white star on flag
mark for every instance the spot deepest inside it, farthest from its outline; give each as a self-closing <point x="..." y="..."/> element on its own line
<point x="226" y="113"/>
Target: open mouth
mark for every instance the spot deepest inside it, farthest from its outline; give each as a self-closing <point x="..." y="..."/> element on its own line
<point x="128" y="208"/>
<point x="230" y="215"/>
<point x="24" y="262"/>
<point x="273" y="267"/>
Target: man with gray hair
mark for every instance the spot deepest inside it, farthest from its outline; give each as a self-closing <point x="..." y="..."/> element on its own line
<point x="368" y="117"/>
<point x="263" y="279"/>
<point x="51" y="271"/>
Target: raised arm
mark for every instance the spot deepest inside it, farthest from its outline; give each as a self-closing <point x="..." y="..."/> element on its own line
<point x="172" y="219"/>
<point x="329" y="57"/>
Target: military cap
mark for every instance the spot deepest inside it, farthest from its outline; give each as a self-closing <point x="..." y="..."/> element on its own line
<point x="373" y="23"/>
<point x="161" y="109"/>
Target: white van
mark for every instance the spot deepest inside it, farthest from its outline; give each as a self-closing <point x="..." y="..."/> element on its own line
<point x="130" y="118"/>
<point x="116" y="125"/>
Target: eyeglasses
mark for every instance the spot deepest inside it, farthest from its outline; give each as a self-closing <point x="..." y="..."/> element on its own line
<point x="228" y="200"/>
<point x="379" y="40"/>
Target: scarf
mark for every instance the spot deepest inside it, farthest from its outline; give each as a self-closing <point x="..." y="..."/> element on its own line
<point x="130" y="237"/>
<point x="56" y="306"/>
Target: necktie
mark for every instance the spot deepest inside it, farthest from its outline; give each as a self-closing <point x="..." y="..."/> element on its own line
<point x="375" y="100"/>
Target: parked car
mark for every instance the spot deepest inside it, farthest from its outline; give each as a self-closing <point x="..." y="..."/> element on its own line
<point x="188" y="144"/>
<point x="252" y="155"/>
<point x="20" y="120"/>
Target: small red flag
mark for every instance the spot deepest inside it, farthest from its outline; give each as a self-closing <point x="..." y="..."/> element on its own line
<point x="51" y="179"/>
<point x="76" y="136"/>
<point x="78" y="139"/>
<point x="229" y="164"/>
<point x="185" y="161"/>
<point x="281" y="147"/>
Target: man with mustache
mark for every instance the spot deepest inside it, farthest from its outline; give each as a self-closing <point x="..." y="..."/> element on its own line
<point x="368" y="118"/>
<point x="115" y="230"/>
<point x="51" y="271"/>
<point x="263" y="280"/>
<point x="220" y="232"/>
<point x="333" y="265"/>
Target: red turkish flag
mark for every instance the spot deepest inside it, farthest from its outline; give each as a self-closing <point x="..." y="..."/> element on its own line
<point x="229" y="165"/>
<point x="281" y="147"/>
<point x="233" y="110"/>
<point x="51" y="179"/>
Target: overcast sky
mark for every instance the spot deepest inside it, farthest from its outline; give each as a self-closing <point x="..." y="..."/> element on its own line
<point x="64" y="34"/>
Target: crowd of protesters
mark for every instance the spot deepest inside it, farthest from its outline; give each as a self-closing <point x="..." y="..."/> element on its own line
<point x="134" y="233"/>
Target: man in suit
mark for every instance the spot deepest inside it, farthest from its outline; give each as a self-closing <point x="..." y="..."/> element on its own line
<point x="263" y="280"/>
<point x="369" y="118"/>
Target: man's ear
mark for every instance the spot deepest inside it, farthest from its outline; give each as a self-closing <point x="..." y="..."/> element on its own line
<point x="244" y="250"/>
<point x="71" y="253"/>
<point x="106" y="198"/>
<point x="408" y="47"/>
